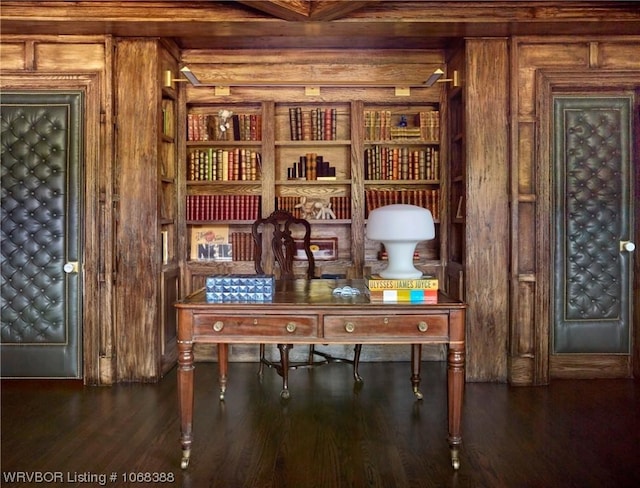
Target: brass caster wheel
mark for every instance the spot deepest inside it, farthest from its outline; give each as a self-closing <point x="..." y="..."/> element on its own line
<point x="455" y="460"/>
<point x="184" y="464"/>
<point x="284" y="394"/>
<point x="418" y="394"/>
<point x="222" y="392"/>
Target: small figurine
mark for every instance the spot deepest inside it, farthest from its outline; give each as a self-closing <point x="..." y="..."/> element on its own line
<point x="323" y="211"/>
<point x="403" y="121"/>
<point x="306" y="208"/>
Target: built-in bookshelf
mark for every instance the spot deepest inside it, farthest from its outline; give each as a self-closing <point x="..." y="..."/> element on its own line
<point x="167" y="168"/>
<point x="223" y="174"/>
<point x="402" y="165"/>
<point x="457" y="188"/>
<point x="327" y="162"/>
<point x="313" y="173"/>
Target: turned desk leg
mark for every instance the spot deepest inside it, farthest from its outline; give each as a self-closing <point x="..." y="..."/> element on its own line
<point x="284" y="364"/>
<point x="416" y="361"/>
<point x="185" y="398"/>
<point x="223" y="368"/>
<point x="455" y="380"/>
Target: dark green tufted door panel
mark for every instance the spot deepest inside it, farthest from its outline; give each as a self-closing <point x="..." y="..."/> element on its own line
<point x="592" y="276"/>
<point x="41" y="140"/>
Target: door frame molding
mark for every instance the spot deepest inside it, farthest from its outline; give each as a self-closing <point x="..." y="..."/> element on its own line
<point x="93" y="215"/>
<point x="564" y="82"/>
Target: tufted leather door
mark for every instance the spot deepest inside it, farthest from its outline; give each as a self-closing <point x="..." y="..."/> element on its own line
<point x="593" y="219"/>
<point x="41" y="280"/>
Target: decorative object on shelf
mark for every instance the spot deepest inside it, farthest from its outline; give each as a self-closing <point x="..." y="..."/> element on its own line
<point x="322" y="248"/>
<point x="224" y="115"/>
<point x="400" y="227"/>
<point x="315" y="209"/>
<point x="323" y="211"/>
<point x="305" y="208"/>
<point x="211" y="243"/>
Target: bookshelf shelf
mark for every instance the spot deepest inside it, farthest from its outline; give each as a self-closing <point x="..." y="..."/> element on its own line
<point x="224" y="143"/>
<point x="378" y="183"/>
<point x="220" y="222"/>
<point x="312" y="182"/>
<point x="225" y="183"/>
<point x="402" y="142"/>
<point x="311" y="143"/>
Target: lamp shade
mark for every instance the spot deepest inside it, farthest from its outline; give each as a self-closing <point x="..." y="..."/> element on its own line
<point x="400" y="227"/>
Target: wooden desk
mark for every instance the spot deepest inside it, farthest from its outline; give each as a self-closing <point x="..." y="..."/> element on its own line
<point x="306" y="312"/>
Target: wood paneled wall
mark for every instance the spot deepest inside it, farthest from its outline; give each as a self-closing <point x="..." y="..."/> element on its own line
<point x="508" y="265"/>
<point x="80" y="63"/>
<point x="532" y="60"/>
<point x="487" y="215"/>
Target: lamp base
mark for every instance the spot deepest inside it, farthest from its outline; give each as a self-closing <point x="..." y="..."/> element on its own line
<point x="400" y="265"/>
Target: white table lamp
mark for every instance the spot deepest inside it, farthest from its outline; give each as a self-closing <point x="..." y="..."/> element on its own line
<point x="400" y="227"/>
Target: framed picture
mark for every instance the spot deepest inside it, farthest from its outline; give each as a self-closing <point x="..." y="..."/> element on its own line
<point x="323" y="249"/>
<point x="210" y="243"/>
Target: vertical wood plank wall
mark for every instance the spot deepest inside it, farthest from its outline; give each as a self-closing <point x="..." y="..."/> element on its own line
<point x="487" y="216"/>
<point x="531" y="273"/>
<point x="138" y="287"/>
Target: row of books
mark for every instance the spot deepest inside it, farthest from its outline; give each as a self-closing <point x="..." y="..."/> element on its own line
<point x="313" y="125"/>
<point x="214" y="127"/>
<point x="341" y="206"/>
<point x="425" y="198"/>
<point x="223" y="207"/>
<point x="418" y="290"/>
<point x="401" y="163"/>
<point x="382" y="125"/>
<point x="311" y="166"/>
<point x="215" y="164"/>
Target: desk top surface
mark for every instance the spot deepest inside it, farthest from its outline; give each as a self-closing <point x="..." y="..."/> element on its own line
<point x="315" y="293"/>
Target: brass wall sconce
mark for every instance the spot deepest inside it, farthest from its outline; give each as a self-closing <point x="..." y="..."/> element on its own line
<point x="436" y="77"/>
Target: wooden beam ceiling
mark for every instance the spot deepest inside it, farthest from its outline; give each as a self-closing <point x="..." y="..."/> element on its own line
<point x="318" y="24"/>
<point x="297" y="10"/>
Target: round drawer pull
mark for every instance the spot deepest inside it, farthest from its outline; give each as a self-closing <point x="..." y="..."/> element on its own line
<point x="423" y="326"/>
<point x="291" y="327"/>
<point x="349" y="327"/>
<point x="218" y="326"/>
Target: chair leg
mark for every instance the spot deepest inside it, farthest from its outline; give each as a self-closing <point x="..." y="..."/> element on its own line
<point x="284" y="364"/>
<point x="261" y="367"/>
<point x="356" y="362"/>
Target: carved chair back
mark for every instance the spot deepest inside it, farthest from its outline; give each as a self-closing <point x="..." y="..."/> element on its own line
<point x="280" y="227"/>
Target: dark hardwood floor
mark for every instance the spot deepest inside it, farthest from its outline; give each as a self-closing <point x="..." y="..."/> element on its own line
<point x="569" y="434"/>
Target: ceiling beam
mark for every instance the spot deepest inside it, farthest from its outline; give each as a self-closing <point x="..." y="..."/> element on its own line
<point x="298" y="10"/>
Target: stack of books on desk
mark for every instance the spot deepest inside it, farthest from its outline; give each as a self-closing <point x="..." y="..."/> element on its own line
<point x="418" y="290"/>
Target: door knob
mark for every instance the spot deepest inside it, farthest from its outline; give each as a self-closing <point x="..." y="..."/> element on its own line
<point x="70" y="267"/>
<point x="627" y="246"/>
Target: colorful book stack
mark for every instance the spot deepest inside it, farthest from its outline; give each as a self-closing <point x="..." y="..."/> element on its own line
<point x="419" y="290"/>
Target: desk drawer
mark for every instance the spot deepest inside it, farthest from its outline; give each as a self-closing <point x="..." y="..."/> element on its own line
<point x="273" y="326"/>
<point x="396" y="326"/>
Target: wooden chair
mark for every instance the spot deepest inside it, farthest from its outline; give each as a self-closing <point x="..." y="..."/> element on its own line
<point x="279" y="227"/>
